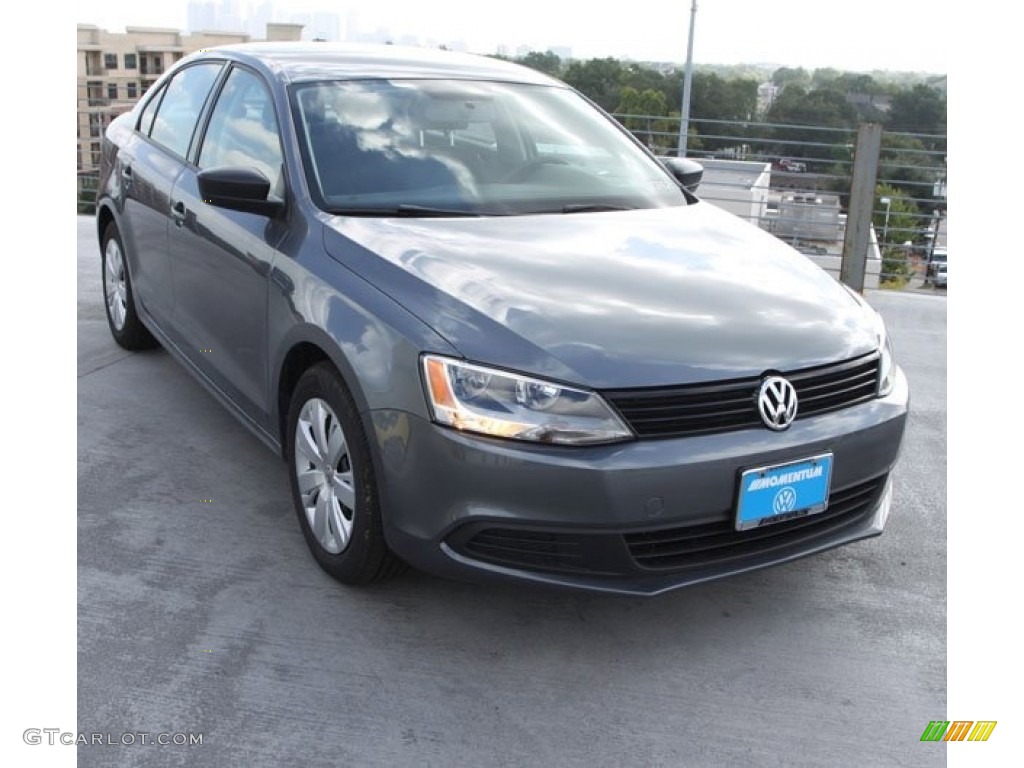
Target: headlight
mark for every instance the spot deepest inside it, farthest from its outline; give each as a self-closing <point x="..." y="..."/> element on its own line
<point x="886" y="366"/>
<point x="502" y="404"/>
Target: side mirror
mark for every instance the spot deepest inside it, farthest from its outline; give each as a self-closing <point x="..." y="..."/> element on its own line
<point x="240" y="189"/>
<point x="686" y="171"/>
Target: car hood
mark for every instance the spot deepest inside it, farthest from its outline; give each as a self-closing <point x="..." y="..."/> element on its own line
<point x="616" y="299"/>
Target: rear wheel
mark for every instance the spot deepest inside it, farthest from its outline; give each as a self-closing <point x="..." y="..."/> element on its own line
<point x="118" y="296"/>
<point x="333" y="483"/>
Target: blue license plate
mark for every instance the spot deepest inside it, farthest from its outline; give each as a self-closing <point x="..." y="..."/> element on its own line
<point x="783" y="492"/>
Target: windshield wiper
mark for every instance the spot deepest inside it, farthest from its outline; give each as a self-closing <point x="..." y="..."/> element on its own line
<point x="412" y="211"/>
<point x="594" y="208"/>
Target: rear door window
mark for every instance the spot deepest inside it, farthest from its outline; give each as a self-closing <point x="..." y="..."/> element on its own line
<point x="181" y="105"/>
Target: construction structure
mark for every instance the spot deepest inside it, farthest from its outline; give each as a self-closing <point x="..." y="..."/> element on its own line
<point x="116" y="68"/>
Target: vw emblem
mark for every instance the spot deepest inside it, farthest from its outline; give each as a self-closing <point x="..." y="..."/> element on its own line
<point x="777" y="403"/>
<point x="785" y="500"/>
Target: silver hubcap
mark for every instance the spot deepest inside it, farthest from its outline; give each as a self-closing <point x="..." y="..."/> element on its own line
<point x="115" y="286"/>
<point x="324" y="472"/>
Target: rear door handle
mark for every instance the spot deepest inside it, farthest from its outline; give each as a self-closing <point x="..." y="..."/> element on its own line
<point x="178" y="213"/>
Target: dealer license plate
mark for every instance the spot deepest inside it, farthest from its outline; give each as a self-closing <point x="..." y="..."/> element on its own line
<point x="783" y="491"/>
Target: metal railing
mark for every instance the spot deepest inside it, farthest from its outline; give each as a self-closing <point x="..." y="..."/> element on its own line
<point x="88" y="182"/>
<point x="796" y="181"/>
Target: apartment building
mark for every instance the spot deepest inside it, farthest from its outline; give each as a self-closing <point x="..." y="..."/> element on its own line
<point x="116" y="68"/>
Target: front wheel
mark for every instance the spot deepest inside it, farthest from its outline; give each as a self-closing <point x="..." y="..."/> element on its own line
<point x="333" y="483"/>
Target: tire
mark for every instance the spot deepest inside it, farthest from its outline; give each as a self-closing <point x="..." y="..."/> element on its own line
<point x="118" y="295"/>
<point x="333" y="484"/>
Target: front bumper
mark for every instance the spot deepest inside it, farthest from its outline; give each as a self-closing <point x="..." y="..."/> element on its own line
<point x="635" y="518"/>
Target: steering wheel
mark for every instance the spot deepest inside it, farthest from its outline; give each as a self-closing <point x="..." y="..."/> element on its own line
<point x="527" y="169"/>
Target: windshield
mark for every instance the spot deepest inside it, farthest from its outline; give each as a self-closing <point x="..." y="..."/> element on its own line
<point x="443" y="147"/>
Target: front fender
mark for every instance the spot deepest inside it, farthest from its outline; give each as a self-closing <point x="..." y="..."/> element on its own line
<point x="373" y="342"/>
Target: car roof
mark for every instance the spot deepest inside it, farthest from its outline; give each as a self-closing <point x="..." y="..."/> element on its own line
<point x="298" y="62"/>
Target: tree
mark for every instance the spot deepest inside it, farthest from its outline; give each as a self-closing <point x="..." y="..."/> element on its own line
<point x="918" y="110"/>
<point x="644" y="106"/>
<point x="903" y="164"/>
<point x="824" y="77"/>
<point x="855" y="82"/>
<point x="549" y="63"/>
<point x="895" y="224"/>
<point x="821" y="108"/>
<point x="598" y="79"/>
<point x="645" y="78"/>
<point x="824" y="108"/>
<point x="903" y="216"/>
<point x="714" y="98"/>
<point x="784" y="76"/>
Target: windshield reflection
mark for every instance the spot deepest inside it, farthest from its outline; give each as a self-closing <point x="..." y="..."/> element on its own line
<point x="377" y="146"/>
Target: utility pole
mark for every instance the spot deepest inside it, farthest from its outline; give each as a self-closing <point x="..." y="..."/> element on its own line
<point x="684" y="112"/>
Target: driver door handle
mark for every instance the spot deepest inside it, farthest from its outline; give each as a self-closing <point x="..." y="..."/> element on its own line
<point x="178" y="213"/>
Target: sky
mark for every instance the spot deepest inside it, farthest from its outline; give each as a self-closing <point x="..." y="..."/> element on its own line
<point x="898" y="35"/>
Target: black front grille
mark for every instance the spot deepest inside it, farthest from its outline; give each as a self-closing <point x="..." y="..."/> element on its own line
<point x="730" y="405"/>
<point x="714" y="543"/>
<point x="529" y="548"/>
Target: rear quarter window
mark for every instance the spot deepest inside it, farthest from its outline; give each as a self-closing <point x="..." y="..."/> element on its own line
<point x="149" y="112"/>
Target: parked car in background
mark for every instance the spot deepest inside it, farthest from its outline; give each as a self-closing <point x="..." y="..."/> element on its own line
<point x="936" y="258"/>
<point x="487" y="331"/>
<point x="940" y="275"/>
<point x="793" y="166"/>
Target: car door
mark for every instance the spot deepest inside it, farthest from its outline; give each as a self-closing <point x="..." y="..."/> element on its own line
<point x="149" y="165"/>
<point x="220" y="258"/>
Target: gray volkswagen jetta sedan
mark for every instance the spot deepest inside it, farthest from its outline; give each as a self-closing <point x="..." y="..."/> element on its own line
<point x="489" y="333"/>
